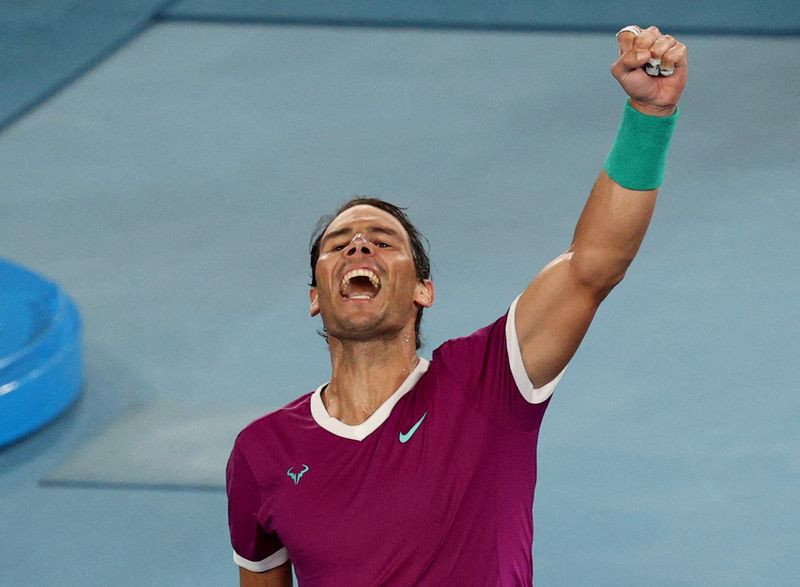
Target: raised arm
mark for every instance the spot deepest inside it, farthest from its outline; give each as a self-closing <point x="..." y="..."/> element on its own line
<point x="555" y="310"/>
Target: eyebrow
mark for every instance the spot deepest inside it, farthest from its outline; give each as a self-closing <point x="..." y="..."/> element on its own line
<point x="370" y="229"/>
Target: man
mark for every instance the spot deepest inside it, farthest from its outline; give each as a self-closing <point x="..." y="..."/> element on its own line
<point x="402" y="471"/>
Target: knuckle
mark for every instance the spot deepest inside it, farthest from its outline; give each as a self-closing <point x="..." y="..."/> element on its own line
<point x="645" y="40"/>
<point x="630" y="58"/>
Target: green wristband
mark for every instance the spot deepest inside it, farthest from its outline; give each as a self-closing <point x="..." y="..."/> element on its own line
<point x="639" y="155"/>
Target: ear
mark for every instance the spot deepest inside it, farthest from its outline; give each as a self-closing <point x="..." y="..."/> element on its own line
<point x="314" y="302"/>
<point x="425" y="293"/>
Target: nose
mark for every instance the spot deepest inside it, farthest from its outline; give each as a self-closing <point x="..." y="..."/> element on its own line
<point x="359" y="244"/>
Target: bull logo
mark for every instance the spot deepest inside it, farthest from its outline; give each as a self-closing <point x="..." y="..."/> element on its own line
<point x="297" y="476"/>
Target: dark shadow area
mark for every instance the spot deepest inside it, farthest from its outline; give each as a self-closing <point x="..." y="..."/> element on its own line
<point x="773" y="17"/>
<point x="46" y="45"/>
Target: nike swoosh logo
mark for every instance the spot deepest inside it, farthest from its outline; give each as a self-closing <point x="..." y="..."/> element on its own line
<point x="405" y="437"/>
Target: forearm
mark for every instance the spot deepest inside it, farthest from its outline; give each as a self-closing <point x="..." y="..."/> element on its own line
<point x="620" y="206"/>
<point x="609" y="232"/>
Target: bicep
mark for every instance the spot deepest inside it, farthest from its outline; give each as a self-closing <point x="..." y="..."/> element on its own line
<point x="552" y="317"/>
<point x="280" y="576"/>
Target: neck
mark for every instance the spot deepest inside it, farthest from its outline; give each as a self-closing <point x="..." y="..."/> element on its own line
<point x="365" y="374"/>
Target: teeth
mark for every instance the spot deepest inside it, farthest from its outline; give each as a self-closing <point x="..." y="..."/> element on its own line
<point x="373" y="278"/>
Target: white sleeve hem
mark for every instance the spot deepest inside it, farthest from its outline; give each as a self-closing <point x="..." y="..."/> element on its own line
<point x="274" y="560"/>
<point x="532" y="395"/>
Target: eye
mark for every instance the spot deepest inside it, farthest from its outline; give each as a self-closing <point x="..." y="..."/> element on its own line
<point x="338" y="247"/>
<point x="382" y="245"/>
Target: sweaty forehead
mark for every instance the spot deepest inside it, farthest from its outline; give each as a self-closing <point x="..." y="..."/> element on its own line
<point x="363" y="216"/>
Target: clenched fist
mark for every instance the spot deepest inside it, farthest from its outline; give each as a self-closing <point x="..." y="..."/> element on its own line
<point x="650" y="93"/>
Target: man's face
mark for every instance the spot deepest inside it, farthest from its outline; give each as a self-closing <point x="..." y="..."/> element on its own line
<point x="366" y="282"/>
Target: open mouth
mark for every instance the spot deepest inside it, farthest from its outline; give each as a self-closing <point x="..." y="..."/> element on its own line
<point x="360" y="284"/>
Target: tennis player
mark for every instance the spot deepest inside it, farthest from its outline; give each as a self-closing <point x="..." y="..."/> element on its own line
<point x="402" y="471"/>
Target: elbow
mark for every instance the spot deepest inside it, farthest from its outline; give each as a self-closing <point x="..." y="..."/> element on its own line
<point x="599" y="270"/>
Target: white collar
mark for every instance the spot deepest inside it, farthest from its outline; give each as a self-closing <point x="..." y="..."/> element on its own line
<point x="368" y="426"/>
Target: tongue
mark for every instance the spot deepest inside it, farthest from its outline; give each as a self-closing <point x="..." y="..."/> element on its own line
<point x="360" y="286"/>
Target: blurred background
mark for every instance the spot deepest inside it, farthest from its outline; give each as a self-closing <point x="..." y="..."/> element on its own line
<point x="164" y="163"/>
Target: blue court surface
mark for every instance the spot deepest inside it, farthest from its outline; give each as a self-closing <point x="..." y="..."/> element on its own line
<point x="171" y="191"/>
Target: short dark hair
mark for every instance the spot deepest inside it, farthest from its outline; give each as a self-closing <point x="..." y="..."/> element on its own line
<point x="419" y="244"/>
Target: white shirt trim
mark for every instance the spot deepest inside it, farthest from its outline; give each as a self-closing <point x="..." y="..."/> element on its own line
<point x="276" y="559"/>
<point x="532" y="395"/>
<point x="361" y="431"/>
